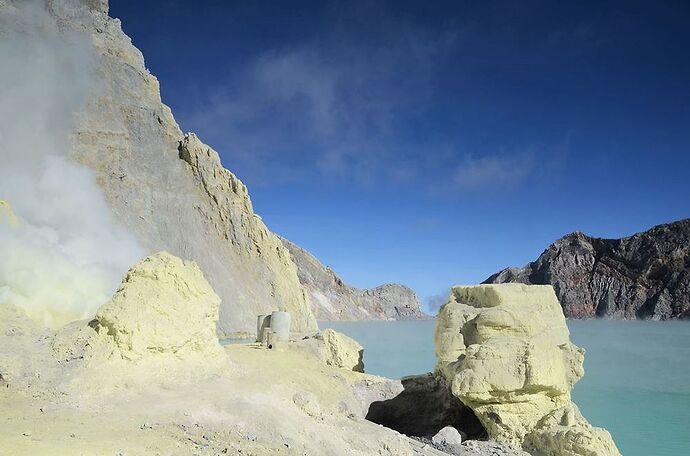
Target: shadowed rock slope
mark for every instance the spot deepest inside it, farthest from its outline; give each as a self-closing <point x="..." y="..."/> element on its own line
<point x="332" y="299"/>
<point x="169" y="189"/>
<point x="646" y="275"/>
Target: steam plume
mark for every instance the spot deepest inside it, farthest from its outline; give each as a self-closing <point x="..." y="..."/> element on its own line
<point x="65" y="255"/>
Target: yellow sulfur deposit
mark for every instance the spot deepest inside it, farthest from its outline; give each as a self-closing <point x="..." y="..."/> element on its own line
<point x="506" y="351"/>
<point x="342" y="351"/>
<point x="163" y="306"/>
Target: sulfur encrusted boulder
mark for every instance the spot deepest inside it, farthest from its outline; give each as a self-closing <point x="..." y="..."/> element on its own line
<point x="342" y="351"/>
<point x="163" y="306"/>
<point x="506" y="352"/>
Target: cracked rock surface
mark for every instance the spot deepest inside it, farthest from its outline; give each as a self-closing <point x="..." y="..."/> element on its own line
<point x="646" y="275"/>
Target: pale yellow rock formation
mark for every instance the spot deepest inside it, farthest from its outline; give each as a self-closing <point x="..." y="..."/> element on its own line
<point x="159" y="328"/>
<point x="163" y="306"/>
<point x="341" y="350"/>
<point x="506" y="352"/>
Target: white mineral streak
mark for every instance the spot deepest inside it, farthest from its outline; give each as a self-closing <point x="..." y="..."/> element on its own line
<point x="506" y="352"/>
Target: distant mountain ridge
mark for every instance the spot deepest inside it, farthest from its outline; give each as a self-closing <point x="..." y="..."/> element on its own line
<point x="332" y="299"/>
<point x="646" y="275"/>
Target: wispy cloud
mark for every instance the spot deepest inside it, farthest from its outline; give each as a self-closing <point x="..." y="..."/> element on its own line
<point x="492" y="172"/>
<point x="329" y="107"/>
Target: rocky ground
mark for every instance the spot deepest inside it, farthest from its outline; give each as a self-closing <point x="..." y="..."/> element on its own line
<point x="267" y="403"/>
<point x="148" y="376"/>
<point x="646" y="275"/>
<point x="264" y="403"/>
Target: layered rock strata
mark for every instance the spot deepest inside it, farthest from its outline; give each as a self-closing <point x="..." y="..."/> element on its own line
<point x="506" y="353"/>
<point x="646" y="275"/>
<point x="332" y="299"/>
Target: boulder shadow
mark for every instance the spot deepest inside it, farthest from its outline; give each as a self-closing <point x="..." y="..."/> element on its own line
<point x="424" y="407"/>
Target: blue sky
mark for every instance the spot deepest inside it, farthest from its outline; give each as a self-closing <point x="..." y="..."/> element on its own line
<point x="433" y="143"/>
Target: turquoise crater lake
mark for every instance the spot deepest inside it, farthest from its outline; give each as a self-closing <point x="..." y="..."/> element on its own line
<point x="636" y="384"/>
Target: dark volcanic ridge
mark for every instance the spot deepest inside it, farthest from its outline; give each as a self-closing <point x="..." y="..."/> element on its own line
<point x="646" y="275"/>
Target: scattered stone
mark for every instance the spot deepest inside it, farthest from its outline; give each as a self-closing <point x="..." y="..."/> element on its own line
<point x="448" y="436"/>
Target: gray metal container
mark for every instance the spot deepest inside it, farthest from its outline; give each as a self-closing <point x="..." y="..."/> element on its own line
<point x="280" y="325"/>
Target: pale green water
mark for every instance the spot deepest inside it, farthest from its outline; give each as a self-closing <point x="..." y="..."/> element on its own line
<point x="637" y="382"/>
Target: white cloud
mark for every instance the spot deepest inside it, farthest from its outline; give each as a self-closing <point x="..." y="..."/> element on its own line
<point x="492" y="172"/>
<point x="330" y="107"/>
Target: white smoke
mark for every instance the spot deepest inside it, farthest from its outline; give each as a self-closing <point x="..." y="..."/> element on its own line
<point x="66" y="255"/>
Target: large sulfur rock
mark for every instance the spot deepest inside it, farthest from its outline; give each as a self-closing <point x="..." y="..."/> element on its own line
<point x="506" y="352"/>
<point x="341" y="350"/>
<point x="157" y="330"/>
<point x="163" y="306"/>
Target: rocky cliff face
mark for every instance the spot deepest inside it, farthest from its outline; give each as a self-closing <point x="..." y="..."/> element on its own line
<point x="646" y="275"/>
<point x="332" y="299"/>
<point x="167" y="188"/>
